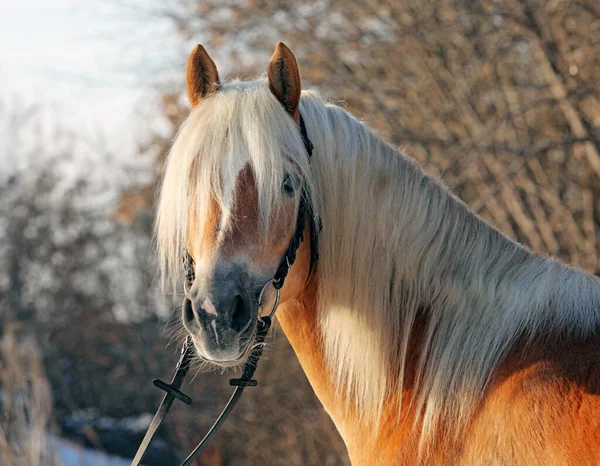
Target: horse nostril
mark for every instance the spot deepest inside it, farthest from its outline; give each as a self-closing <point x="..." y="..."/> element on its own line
<point x="241" y="314"/>
<point x="188" y="311"/>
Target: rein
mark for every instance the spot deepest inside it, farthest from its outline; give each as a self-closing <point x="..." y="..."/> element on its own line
<point x="172" y="390"/>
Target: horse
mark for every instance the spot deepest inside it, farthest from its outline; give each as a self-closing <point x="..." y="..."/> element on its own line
<point x="428" y="336"/>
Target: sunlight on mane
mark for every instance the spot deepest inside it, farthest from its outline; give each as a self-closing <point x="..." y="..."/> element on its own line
<point x="395" y="244"/>
<point x="242" y="123"/>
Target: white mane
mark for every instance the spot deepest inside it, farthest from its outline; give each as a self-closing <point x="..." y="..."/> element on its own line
<point x="242" y="123"/>
<point x="394" y="244"/>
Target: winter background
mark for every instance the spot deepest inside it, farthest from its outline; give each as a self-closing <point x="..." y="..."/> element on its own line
<point x="499" y="98"/>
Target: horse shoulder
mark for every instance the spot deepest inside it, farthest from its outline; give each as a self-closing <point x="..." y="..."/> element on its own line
<point x="543" y="407"/>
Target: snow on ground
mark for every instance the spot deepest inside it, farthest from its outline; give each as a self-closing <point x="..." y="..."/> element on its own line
<point x="71" y="454"/>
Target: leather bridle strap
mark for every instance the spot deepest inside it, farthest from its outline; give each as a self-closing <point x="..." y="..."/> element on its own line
<point x="264" y="324"/>
<point x="305" y="211"/>
<point x="172" y="393"/>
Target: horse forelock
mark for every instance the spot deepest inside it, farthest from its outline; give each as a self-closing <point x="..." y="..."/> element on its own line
<point x="242" y="125"/>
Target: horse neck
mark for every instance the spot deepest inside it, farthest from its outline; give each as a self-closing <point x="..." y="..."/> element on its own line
<point x="395" y="244"/>
<point x="298" y="318"/>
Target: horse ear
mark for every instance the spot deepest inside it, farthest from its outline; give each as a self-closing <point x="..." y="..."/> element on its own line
<point x="284" y="79"/>
<point x="202" y="76"/>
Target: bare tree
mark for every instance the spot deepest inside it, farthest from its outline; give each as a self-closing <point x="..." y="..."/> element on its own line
<point x="25" y="402"/>
<point x="499" y="98"/>
<point x="71" y="276"/>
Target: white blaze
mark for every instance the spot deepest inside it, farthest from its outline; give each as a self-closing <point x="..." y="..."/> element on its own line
<point x="208" y="306"/>
<point x="214" y="326"/>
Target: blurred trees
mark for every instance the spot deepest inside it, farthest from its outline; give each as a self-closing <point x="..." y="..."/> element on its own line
<point x="25" y="402"/>
<point x="74" y="283"/>
<point x="63" y="256"/>
<point x="500" y="98"/>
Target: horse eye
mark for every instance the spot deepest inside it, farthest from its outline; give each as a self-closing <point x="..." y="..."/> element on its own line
<point x="290" y="185"/>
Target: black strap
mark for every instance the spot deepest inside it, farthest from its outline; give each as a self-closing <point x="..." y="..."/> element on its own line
<point x="308" y="145"/>
<point x="172" y="393"/>
<point x="290" y="254"/>
<point x="305" y="211"/>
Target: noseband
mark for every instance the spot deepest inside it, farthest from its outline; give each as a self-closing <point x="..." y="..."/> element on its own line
<point x="172" y="392"/>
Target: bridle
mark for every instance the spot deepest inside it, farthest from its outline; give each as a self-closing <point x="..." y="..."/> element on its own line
<point x="172" y="390"/>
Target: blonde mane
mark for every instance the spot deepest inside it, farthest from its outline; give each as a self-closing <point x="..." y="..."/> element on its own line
<point x="241" y="124"/>
<point x="395" y="243"/>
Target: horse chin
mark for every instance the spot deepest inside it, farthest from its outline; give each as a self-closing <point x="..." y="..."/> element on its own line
<point x="228" y="359"/>
<point x="225" y="364"/>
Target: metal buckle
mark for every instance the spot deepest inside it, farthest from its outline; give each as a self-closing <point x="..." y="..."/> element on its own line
<point x="277" y="297"/>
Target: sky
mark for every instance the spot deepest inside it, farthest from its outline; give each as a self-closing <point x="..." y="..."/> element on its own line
<point x="81" y="58"/>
